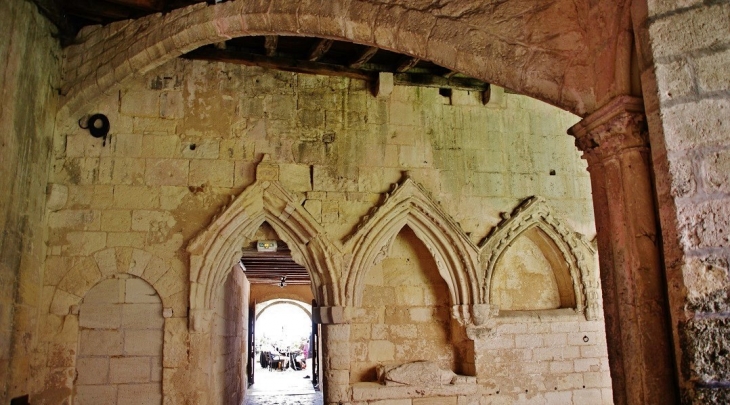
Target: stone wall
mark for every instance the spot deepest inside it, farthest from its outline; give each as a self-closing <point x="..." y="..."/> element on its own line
<point x="119" y="358"/>
<point x="406" y="313"/>
<point x="555" y="358"/>
<point x="29" y="79"/>
<point x="686" y="82"/>
<point x="229" y="350"/>
<point x="186" y="138"/>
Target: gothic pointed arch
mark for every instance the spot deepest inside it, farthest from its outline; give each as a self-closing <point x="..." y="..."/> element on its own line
<point x="217" y="249"/>
<point x="571" y="256"/>
<point x="409" y="204"/>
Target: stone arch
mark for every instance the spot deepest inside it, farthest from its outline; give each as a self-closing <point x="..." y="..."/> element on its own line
<point x="534" y="219"/>
<point x="121" y="329"/>
<point x="410" y="204"/>
<point x="218" y="248"/>
<point x="83" y="273"/>
<point x="298" y="304"/>
<point x="548" y="63"/>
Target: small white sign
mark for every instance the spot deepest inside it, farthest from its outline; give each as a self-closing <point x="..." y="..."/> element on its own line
<point x="266" y="246"/>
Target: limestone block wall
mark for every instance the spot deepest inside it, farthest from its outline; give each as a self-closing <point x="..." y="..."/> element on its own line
<point x="686" y="81"/>
<point x="406" y="313"/>
<point x="26" y="129"/>
<point x="186" y="138"/>
<point x="554" y="357"/>
<point x="119" y="358"/>
<point x="231" y="330"/>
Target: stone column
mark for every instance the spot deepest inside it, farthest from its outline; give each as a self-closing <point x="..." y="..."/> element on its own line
<point x="335" y="379"/>
<point x="614" y="141"/>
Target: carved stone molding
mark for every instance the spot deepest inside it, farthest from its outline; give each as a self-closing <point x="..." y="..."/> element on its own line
<point x="577" y="252"/>
<point x="619" y="125"/>
<point x="614" y="141"/>
<point x="332" y="315"/>
<point x="214" y="251"/>
<point x="408" y="203"/>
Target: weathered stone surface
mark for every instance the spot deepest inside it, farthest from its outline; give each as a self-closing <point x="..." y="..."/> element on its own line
<point x="424" y="373"/>
<point x="706" y="343"/>
<point x="476" y="164"/>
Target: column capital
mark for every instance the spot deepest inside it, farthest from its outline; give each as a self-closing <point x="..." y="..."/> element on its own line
<point x="618" y="125"/>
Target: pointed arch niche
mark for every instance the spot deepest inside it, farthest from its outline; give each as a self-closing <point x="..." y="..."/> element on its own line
<point x="409" y="204"/>
<point x="532" y="261"/>
<point x="215" y="251"/>
<point x="413" y="283"/>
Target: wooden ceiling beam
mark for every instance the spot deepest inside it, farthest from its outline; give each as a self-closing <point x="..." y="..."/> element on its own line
<point x="406" y="63"/>
<point x="150" y="5"/>
<point x="53" y="10"/>
<point x="276" y="283"/>
<point x="364" y="57"/>
<point x="318" y="68"/>
<point x="96" y="10"/>
<point x="289" y="65"/>
<point x="422" y="80"/>
<point x="319" y="49"/>
<point x="450" y="74"/>
<point x="271" y="42"/>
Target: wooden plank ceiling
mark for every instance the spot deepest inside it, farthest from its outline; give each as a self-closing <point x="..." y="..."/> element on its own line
<point x="289" y="53"/>
<point x="272" y="267"/>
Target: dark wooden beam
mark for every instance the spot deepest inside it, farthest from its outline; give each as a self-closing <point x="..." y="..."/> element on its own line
<point x="406" y="63"/>
<point x="422" y="80"/>
<point x="487" y="95"/>
<point x="270" y="43"/>
<point x="52" y="10"/>
<point x="289" y="65"/>
<point x="364" y="57"/>
<point x="96" y="10"/>
<point x="450" y="74"/>
<point x="150" y="5"/>
<point x="318" y="68"/>
<point x="322" y="46"/>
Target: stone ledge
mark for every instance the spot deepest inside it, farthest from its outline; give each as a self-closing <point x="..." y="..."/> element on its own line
<point x="369" y="391"/>
<point x="543" y="315"/>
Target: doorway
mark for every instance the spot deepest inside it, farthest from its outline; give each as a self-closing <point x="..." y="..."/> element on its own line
<point x="282" y="355"/>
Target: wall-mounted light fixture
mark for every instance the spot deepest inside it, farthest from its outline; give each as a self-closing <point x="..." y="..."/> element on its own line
<point x="98" y="126"/>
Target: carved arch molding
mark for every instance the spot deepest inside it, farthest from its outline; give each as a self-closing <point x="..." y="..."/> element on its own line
<point x="337" y="267"/>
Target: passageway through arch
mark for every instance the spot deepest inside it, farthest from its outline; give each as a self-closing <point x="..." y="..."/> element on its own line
<point x="281" y="334"/>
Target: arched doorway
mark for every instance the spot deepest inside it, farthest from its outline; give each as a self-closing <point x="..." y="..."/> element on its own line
<point x="283" y="351"/>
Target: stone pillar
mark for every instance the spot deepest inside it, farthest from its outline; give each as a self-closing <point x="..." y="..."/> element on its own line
<point x="335" y="379"/>
<point x="614" y="142"/>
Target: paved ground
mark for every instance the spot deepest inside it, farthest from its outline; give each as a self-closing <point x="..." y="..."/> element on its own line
<point x="283" y="388"/>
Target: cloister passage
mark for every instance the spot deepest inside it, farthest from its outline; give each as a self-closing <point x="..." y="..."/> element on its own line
<point x="283" y="328"/>
<point x="282" y="335"/>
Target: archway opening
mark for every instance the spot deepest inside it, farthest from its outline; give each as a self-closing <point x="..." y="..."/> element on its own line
<point x="283" y="338"/>
<point x="281" y="332"/>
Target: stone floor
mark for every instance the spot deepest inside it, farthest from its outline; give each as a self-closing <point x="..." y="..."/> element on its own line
<point x="283" y="388"/>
